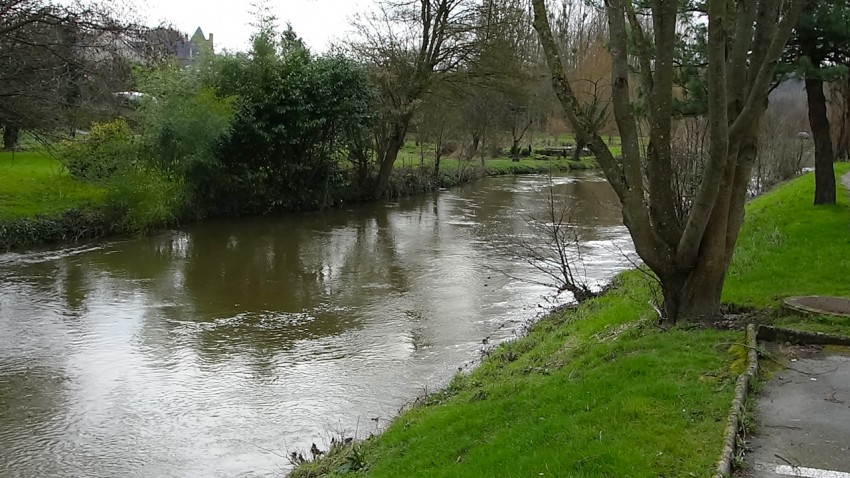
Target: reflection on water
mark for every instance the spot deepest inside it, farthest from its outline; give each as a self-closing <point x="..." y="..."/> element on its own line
<point x="216" y="349"/>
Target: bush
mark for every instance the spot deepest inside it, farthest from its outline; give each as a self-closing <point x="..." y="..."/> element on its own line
<point x="185" y="127"/>
<point x="294" y="120"/>
<point x="107" y="151"/>
<point x="495" y="150"/>
<point x="145" y="199"/>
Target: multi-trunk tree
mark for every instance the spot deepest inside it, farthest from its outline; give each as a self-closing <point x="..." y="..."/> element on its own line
<point x="689" y="253"/>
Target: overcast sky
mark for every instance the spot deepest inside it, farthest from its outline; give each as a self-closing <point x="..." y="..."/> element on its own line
<point x="318" y="22"/>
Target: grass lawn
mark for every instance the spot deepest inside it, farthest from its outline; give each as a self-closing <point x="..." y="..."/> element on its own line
<point x="33" y="183"/>
<point x="599" y="391"/>
<point x="790" y="247"/>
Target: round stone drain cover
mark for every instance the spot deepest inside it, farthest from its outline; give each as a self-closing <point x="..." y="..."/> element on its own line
<point x="815" y="304"/>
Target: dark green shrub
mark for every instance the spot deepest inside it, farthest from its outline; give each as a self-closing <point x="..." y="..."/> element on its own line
<point x="292" y="125"/>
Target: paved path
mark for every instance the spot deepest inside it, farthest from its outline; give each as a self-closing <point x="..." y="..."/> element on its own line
<point x="803" y="417"/>
<point x="803" y="421"/>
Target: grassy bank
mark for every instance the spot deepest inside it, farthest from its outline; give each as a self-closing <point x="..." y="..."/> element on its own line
<point x="789" y="247"/>
<point x="594" y="392"/>
<point x="599" y="391"/>
<point x="496" y="167"/>
<point x="33" y="183"/>
<point x="40" y="202"/>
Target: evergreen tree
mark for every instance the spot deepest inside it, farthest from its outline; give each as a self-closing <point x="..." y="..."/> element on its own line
<point x="819" y="51"/>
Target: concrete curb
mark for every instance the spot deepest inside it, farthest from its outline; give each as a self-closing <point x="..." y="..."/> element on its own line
<point x="724" y="465"/>
<point x="767" y="333"/>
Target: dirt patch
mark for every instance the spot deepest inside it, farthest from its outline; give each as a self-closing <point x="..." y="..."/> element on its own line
<point x="735" y="317"/>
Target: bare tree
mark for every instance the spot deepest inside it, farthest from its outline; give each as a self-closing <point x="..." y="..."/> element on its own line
<point x="690" y="256"/>
<point x="59" y="64"/>
<point x="784" y="143"/>
<point x="436" y="123"/>
<point x="478" y="112"/>
<point x="690" y="153"/>
<point x="409" y="44"/>
<point x="552" y="246"/>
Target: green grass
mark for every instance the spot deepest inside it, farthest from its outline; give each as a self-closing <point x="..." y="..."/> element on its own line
<point x="594" y="392"/>
<point x="501" y="166"/>
<point x="33" y="183"/>
<point x="410" y="155"/>
<point x="599" y="391"/>
<point x="828" y="324"/>
<point x="525" y="165"/>
<point x="789" y="247"/>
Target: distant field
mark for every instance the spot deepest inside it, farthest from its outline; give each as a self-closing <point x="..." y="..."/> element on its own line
<point x="412" y="155"/>
<point x="33" y="183"/>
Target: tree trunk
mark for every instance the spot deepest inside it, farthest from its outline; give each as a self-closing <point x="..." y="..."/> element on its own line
<point x="476" y="141"/>
<point x="824" y="172"/>
<point x="692" y="297"/>
<point x="515" y="150"/>
<point x="693" y="294"/>
<point x="482" y="150"/>
<point x="10" y="137"/>
<point x="580" y="145"/>
<point x="842" y="141"/>
<point x="394" y="144"/>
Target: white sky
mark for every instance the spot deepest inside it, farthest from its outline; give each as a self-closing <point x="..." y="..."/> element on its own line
<point x="318" y="22"/>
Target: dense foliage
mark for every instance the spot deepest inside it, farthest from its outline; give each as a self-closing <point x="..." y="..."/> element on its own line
<point x="185" y="123"/>
<point x="240" y="133"/>
<point x="108" y="150"/>
<point x="295" y="115"/>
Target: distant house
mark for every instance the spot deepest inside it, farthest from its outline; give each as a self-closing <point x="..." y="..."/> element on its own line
<point x="192" y="49"/>
<point x="167" y="43"/>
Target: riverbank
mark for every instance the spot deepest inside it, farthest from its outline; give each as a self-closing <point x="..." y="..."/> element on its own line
<point x="600" y="390"/>
<point x="40" y="203"/>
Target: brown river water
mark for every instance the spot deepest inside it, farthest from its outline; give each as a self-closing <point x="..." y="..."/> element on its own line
<point x="218" y="348"/>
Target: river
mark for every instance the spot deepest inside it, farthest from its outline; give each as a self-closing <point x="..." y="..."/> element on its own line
<point x="217" y="348"/>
